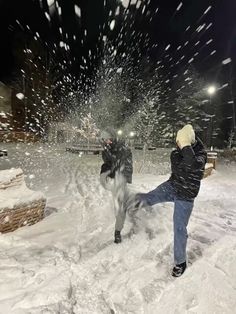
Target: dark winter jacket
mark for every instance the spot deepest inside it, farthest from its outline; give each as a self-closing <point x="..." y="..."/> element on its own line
<point x="117" y="157"/>
<point x="187" y="167"/>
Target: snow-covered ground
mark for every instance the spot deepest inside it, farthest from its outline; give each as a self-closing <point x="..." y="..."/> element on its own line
<point x="68" y="262"/>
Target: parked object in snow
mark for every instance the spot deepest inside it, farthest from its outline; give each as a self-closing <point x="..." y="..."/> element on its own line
<point x="208" y="170"/>
<point x="212" y="158"/>
<point x="3" y="153"/>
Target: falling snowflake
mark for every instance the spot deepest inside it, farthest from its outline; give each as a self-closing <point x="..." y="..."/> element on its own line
<point x="50" y="2"/>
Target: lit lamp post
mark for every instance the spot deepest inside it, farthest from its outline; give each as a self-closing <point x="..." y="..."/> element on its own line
<point x="211" y="91"/>
<point x="119" y="132"/>
<point x="131" y="135"/>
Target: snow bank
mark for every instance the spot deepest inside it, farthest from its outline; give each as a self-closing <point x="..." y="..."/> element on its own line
<point x="11" y="177"/>
<point x="209" y="286"/>
<point x="17" y="197"/>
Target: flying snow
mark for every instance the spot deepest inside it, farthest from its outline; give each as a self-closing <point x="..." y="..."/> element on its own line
<point x="112" y="25"/>
<point x="167" y="47"/>
<point x="50" y="2"/>
<point x="226" y="61"/>
<point x="179" y="6"/>
<point x="59" y="10"/>
<point x="200" y="28"/>
<point x="77" y="11"/>
<point x="138" y="4"/>
<point x="209" y="41"/>
<point x="62" y="44"/>
<point x="207" y="10"/>
<point x="125" y="3"/>
<point x="208" y="26"/>
<point x="20" y="96"/>
<point x="48" y="16"/>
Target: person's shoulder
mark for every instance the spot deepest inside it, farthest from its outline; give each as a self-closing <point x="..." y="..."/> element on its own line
<point x="127" y="148"/>
<point x="124" y="148"/>
<point x="121" y="144"/>
<point x="174" y="151"/>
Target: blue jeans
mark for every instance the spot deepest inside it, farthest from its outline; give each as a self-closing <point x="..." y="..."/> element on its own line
<point x="182" y="211"/>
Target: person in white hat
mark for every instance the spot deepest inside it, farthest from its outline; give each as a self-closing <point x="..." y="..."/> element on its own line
<point x="116" y="173"/>
<point x="187" y="167"/>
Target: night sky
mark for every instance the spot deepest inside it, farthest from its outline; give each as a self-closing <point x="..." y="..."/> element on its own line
<point x="165" y="27"/>
<point x="77" y="49"/>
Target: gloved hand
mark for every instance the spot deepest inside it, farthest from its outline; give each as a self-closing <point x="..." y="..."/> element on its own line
<point x="185" y="136"/>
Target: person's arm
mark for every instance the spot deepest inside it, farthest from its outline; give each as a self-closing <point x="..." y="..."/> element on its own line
<point x="129" y="161"/>
<point x="126" y="163"/>
<point x="192" y="160"/>
<point x="107" y="163"/>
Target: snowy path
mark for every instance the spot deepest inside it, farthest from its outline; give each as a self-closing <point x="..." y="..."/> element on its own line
<point x="68" y="263"/>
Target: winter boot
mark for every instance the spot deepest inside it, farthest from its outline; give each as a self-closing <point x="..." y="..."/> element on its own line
<point x="179" y="269"/>
<point x="117" y="237"/>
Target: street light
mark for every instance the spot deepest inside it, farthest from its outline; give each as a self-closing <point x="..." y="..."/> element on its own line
<point x="211" y="91"/>
<point x="131" y="140"/>
<point x="119" y="132"/>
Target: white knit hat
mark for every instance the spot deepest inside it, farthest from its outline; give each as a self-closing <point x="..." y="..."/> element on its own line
<point x="189" y="133"/>
<point x="108" y="133"/>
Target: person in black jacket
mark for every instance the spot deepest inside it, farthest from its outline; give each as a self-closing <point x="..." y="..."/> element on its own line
<point x="187" y="167"/>
<point x="116" y="172"/>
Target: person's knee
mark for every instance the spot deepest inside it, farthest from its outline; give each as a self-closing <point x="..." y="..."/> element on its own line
<point x="180" y="229"/>
<point x="121" y="213"/>
<point x="104" y="180"/>
<point x="136" y="202"/>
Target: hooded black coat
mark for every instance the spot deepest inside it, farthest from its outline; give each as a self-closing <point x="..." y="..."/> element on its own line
<point x="117" y="157"/>
<point x="187" y="166"/>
